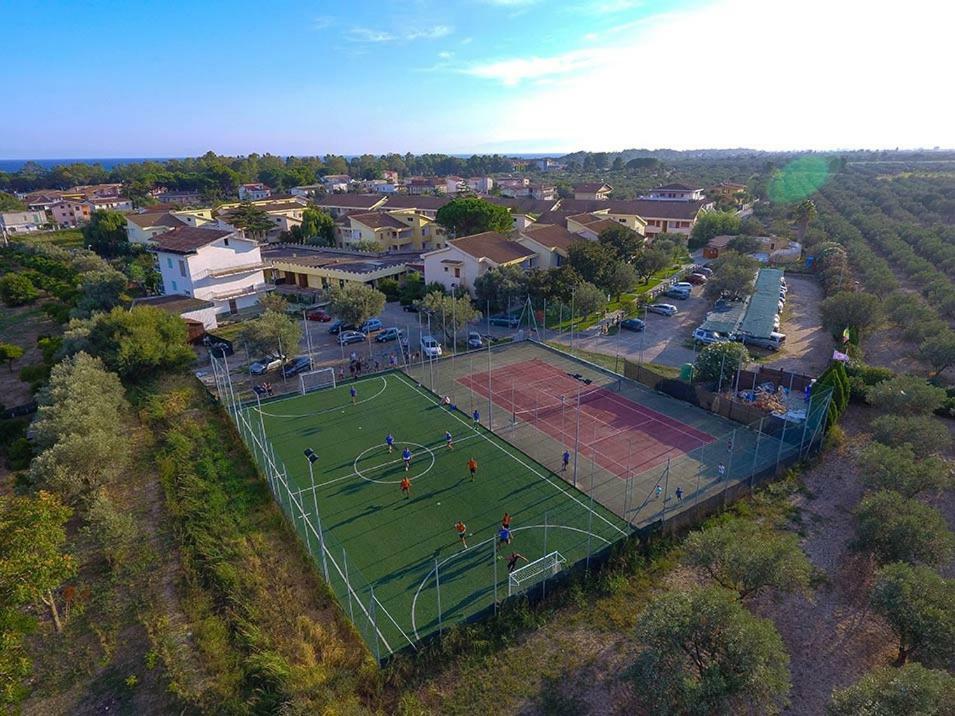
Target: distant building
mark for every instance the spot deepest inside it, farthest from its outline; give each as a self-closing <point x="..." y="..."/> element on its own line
<point x="213" y="265"/>
<point x="70" y="212"/>
<point x="675" y="192"/>
<point x="307" y="268"/>
<point x="23" y="222"/>
<point x="426" y="185"/>
<point x="253" y="192"/>
<point x="596" y="191"/>
<point x="144" y="227"/>
<point x="178" y="198"/>
<point x="480" y="185"/>
<point x="336" y="183"/>
<point x="307" y="190"/>
<point x="550" y="242"/>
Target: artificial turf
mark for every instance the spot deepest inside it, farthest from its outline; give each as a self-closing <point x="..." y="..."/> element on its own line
<point x="403" y="547"/>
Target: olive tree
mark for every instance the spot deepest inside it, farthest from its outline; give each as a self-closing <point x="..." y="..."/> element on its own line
<point x="906" y="395"/>
<point x="899" y="529"/>
<point x="356" y="302"/>
<point x="899" y="469"/>
<point x="452" y="314"/>
<point x="912" y="690"/>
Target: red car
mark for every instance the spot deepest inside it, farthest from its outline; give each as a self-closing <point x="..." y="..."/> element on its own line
<point x="696" y="279"/>
<point x="317" y="314"/>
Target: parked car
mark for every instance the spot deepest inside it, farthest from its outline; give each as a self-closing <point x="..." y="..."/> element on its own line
<point x="632" y="324"/>
<point x="296" y="366"/>
<point x="371" y="326"/>
<point x="773" y="342"/>
<point x="677" y="292"/>
<point x="266" y="363"/>
<point x="389" y="334"/>
<point x="218" y="346"/>
<point x="430" y="347"/>
<point x="697" y="279"/>
<point x="409" y="307"/>
<point x="318" y="314"/>
<point x="504" y="320"/>
<point x="702" y="335"/>
<point x="339" y="326"/>
<point x="705" y="270"/>
<point x="347" y="337"/>
<point x="684" y="285"/>
<point x="664" y="309"/>
<point x="475" y="340"/>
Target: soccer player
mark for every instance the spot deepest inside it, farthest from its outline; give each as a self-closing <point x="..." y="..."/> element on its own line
<point x="406" y="456"/>
<point x="506" y="521"/>
<point x="447" y="401"/>
<point x="679" y="493"/>
<point x="406" y="487"/>
<point x="448" y="439"/>
<point x="353" y="391"/>
<point x="462" y="530"/>
<point x="512" y="561"/>
<point x="476" y="416"/>
<point x="390" y="442"/>
<point x="566" y="459"/>
<point x="504" y="534"/>
<point x="472" y="467"/>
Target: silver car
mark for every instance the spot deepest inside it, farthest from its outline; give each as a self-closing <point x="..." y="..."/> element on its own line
<point x="664" y="309"/>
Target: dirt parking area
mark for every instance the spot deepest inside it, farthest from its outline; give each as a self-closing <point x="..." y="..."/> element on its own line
<point x="808" y="345"/>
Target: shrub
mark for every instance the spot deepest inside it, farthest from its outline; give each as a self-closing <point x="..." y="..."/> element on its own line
<point x="924" y="433"/>
<point x="897" y="468"/>
<point x="16" y="289"/>
<point x="861" y="376"/>
<point x="718" y="362"/>
<point x="899" y="529"/>
<point x="906" y="395"/>
<point x="912" y="690"/>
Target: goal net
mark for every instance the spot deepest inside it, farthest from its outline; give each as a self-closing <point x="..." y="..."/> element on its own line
<point x="523" y="578"/>
<point x="316" y="380"/>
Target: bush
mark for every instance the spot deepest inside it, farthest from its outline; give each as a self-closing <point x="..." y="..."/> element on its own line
<point x="19" y="453"/>
<point x="899" y="529"/>
<point x="906" y="395"/>
<point x="861" y="376"/>
<point x="899" y="469"/>
<point x="717" y="363"/>
<point x="16" y="289"/>
<point x="912" y="690"/>
<point x="925" y="434"/>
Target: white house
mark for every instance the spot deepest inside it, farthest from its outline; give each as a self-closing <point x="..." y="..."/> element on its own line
<point x="306" y="190"/>
<point x="22" y="222"/>
<point x="550" y="242"/>
<point x="212" y="265"/>
<point x="595" y="191"/>
<point x="675" y="192"/>
<point x="143" y="228"/>
<point x="480" y="185"/>
<point x="191" y="310"/>
<point x="462" y="261"/>
<point x="253" y="192"/>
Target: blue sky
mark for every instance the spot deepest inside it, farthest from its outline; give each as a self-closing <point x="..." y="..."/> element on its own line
<point x="93" y="78"/>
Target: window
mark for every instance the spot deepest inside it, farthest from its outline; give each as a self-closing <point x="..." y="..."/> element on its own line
<point x="457" y="273"/>
<point x="174" y="286"/>
<point x="445" y="269"/>
<point x="225" y="242"/>
<point x="168" y="262"/>
<point x="182" y="267"/>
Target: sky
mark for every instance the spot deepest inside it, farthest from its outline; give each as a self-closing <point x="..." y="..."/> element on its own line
<point x="91" y="78"/>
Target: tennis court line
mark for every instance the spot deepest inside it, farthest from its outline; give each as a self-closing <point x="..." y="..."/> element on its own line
<point x="529" y="467"/>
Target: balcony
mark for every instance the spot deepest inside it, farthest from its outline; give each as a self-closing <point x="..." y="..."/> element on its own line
<point x="228" y="271"/>
<point x="239" y="292"/>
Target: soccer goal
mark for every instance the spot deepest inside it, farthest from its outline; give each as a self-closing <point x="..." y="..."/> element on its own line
<point x="523" y="578"/>
<point x="316" y="380"/>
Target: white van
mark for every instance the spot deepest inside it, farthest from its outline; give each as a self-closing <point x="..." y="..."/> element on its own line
<point x="430" y="347"/>
<point x="774" y="342"/>
<point x="707" y="337"/>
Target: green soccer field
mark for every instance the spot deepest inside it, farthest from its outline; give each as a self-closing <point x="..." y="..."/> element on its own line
<point x="395" y="562"/>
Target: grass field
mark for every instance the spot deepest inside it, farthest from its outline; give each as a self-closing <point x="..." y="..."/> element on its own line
<point x="406" y="549"/>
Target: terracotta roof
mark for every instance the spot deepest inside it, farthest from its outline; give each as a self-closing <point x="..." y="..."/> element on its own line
<point x="601" y="225"/>
<point x="553" y="236"/>
<point x="592" y="187"/>
<point x="187" y="239"/>
<point x="154" y="218"/>
<point x="491" y="245"/>
<point x="584" y="218"/>
<point x="523" y="205"/>
<point x="351" y="201"/>
<point x="379" y="220"/>
<point x="655" y="208"/>
<point x="424" y="203"/>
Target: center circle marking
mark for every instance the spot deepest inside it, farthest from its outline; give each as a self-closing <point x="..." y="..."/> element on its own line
<point x="397" y="443"/>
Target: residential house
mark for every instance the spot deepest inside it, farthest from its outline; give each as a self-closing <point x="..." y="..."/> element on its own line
<point x="455" y="185"/>
<point x="543" y="192"/>
<point x="22" y="222"/>
<point x="41" y="200"/>
<point x="426" y="185"/>
<point x="661" y="216"/>
<point x="297" y="268"/>
<point x="70" y="212"/>
<point x="214" y="265"/>
<point x="595" y="191"/>
<point x="142" y="228"/>
<point x="550" y="242"/>
<point x="675" y="192"/>
<point x="306" y="191"/>
<point x="524" y="210"/>
<point x="427" y="205"/>
<point x="339" y="204"/>
<point x="772" y="249"/>
<point x="590" y="226"/>
<point x="199" y="315"/>
<point x="110" y="203"/>
<point x="381" y="186"/>
<point x="178" y="198"/>
<point x="336" y="182"/>
<point x="390" y="175"/>
<point x="546" y="164"/>
<point x="283" y="213"/>
<point x="480" y="185"/>
<point x="379" y="227"/>
<point x="514" y="188"/>
<point x="254" y="191"/>
<point x="462" y="261"/>
<point x="426" y="233"/>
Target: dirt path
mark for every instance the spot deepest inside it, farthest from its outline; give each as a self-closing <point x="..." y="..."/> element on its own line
<point x="808" y="345"/>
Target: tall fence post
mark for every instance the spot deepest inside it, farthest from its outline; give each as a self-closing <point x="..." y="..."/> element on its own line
<point x="752" y="473"/>
<point x="351" y="609"/>
<point x="437" y="589"/>
<point x="494" y="561"/>
<point x="374" y="620"/>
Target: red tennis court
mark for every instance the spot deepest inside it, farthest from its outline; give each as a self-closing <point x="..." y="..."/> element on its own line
<point x="620" y="435"/>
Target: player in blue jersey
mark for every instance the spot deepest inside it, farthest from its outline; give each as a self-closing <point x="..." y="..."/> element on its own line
<point x="353" y="391"/>
<point x="449" y="440"/>
<point x="390" y="442"/>
<point x="406" y="456"/>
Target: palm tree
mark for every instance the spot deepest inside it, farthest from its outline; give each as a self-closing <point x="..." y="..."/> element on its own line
<point x="805" y="212"/>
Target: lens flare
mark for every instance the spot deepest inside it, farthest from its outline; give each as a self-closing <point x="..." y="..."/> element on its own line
<point x="799" y="179"/>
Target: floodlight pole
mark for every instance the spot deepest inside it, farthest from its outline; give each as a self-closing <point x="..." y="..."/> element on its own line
<point x="351" y="610"/>
<point x="310" y="457"/>
<point x="308" y="336"/>
<point x="437" y="587"/>
<point x="577" y="438"/>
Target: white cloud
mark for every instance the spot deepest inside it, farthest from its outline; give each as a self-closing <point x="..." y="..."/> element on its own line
<point x="445" y="55"/>
<point x="512" y="3"/>
<point x="608" y="7"/>
<point x="366" y="34"/>
<point x="322" y="21"/>
<point x="750" y="73"/>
